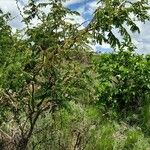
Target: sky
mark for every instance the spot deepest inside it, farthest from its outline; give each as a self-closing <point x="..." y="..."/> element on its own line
<point x="86" y="9"/>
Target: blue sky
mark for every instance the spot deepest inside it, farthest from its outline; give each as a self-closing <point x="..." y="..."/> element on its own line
<point x="86" y="9"/>
<point x="87" y="14"/>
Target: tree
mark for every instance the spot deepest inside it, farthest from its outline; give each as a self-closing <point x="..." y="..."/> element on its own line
<point x="43" y="73"/>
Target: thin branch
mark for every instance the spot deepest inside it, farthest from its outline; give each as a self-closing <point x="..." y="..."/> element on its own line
<point x="32" y="95"/>
<point x="5" y="134"/>
<point x="12" y="100"/>
<point x="78" y="141"/>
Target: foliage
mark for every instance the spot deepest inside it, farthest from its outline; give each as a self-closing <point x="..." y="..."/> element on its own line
<point x="124" y="79"/>
<point x="56" y="94"/>
<point x="118" y="14"/>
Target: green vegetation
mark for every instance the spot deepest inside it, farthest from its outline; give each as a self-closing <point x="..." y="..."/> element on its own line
<point x="57" y="94"/>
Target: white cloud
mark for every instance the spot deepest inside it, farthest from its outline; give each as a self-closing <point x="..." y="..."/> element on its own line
<point x="70" y="2"/>
<point x="94" y="5"/>
<point x="144" y="39"/>
<point x="74" y="19"/>
<point x="11" y="6"/>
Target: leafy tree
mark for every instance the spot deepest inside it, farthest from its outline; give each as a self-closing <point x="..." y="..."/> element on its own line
<point x="43" y="74"/>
